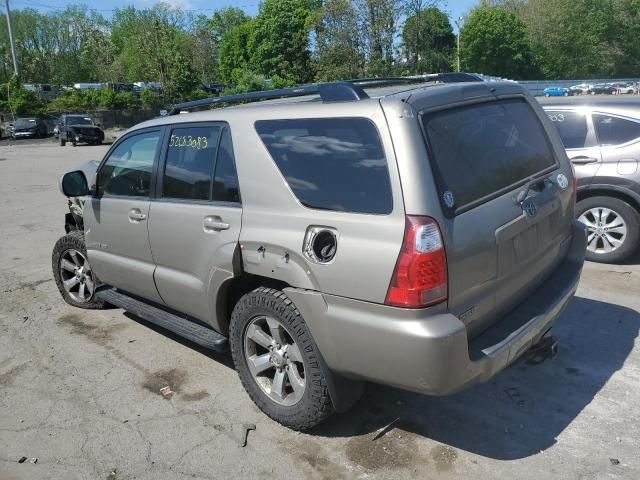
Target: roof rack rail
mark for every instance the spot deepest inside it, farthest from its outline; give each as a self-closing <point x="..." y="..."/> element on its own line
<point x="343" y="91"/>
<point x="329" y="92"/>
<point x="446" y="77"/>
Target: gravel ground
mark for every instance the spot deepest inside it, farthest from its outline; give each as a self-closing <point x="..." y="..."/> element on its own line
<point x="79" y="390"/>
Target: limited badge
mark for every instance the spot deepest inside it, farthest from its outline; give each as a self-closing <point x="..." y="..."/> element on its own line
<point x="449" y="199"/>
<point x="563" y="183"/>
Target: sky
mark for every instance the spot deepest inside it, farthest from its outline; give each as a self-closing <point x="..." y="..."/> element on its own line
<point x="455" y="8"/>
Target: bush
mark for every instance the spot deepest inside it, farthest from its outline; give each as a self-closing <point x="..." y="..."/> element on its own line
<point x="149" y="98"/>
<point x="19" y="101"/>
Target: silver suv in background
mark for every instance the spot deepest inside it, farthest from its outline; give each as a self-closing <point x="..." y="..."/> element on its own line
<point x="415" y="235"/>
<point x="602" y="138"/>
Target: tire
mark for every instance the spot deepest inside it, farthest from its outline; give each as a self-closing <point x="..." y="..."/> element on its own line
<point x="63" y="142"/>
<point x="565" y="94"/>
<point x="74" y="143"/>
<point x="62" y="252"/>
<point x="313" y="404"/>
<point x="621" y="213"/>
<point x="546" y="95"/>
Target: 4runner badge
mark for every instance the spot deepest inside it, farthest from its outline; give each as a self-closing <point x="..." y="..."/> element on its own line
<point x="563" y="183"/>
<point x="449" y="199"/>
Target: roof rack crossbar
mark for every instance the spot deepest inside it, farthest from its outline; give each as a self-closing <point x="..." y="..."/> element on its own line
<point x="329" y="92"/>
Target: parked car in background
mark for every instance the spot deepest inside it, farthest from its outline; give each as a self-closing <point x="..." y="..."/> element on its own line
<point x="581" y="89"/>
<point x="624" y="88"/>
<point x="602" y="89"/>
<point x="28" y="128"/>
<point x="78" y="128"/>
<point x="249" y="227"/>
<point x="557" y="92"/>
<point x="602" y="139"/>
<point x="89" y="86"/>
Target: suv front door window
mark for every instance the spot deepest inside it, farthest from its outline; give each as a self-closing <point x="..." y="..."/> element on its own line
<point x="116" y="217"/>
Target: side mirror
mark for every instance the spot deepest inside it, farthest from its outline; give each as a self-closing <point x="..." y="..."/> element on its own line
<point x="74" y="184"/>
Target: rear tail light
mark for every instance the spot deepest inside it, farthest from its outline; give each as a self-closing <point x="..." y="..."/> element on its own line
<point x="420" y="276"/>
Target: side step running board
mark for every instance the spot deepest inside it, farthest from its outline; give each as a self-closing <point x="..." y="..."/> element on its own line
<point x="203" y="336"/>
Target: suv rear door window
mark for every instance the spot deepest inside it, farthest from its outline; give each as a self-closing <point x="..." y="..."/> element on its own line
<point x="483" y="150"/>
<point x="615" y="130"/>
<point x="331" y="163"/>
<point x="191" y="155"/>
<point x="572" y="127"/>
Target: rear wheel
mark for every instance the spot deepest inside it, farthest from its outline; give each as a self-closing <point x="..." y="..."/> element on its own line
<point x="73" y="274"/>
<point x="63" y="142"/>
<point x="613" y="228"/>
<point x="277" y="360"/>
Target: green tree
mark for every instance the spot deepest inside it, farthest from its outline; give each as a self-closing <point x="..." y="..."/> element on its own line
<point x="279" y="44"/>
<point x="429" y="40"/>
<point x="234" y="52"/>
<point x="495" y="42"/>
<point x="581" y="38"/>
<point x="379" y="19"/>
<point x="339" y="50"/>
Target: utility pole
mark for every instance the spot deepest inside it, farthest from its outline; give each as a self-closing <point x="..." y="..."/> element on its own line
<point x="458" y="21"/>
<point x="13" y="45"/>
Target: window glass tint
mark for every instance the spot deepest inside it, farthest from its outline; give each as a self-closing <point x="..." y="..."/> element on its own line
<point x="481" y="149"/>
<point x="331" y="164"/>
<point x="225" y="184"/>
<point x="127" y="171"/>
<point x="572" y="127"/>
<point x="190" y="160"/>
<point x="614" y="130"/>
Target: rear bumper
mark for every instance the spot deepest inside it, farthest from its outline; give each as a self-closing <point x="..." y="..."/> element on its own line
<point x="427" y="351"/>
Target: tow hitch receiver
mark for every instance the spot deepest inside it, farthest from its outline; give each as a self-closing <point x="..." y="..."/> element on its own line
<point x="546" y="348"/>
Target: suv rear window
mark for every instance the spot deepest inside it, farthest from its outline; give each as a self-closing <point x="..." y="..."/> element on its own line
<point x="331" y="163"/>
<point x="483" y="150"/>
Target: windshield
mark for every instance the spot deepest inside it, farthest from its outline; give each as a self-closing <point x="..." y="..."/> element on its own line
<point x="79" y="121"/>
<point x="25" y="122"/>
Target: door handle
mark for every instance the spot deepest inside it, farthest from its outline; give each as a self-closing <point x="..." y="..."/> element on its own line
<point x="214" y="223"/>
<point x="135" y="215"/>
<point x="583" y="160"/>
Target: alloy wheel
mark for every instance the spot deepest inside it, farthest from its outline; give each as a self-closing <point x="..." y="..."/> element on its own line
<point x="77" y="277"/>
<point x="274" y="360"/>
<point x="606" y="229"/>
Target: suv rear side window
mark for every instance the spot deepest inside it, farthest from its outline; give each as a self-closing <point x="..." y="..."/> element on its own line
<point x="331" y="163"/>
<point x="190" y="159"/>
<point x="483" y="150"/>
<point x="615" y="130"/>
<point x="572" y="127"/>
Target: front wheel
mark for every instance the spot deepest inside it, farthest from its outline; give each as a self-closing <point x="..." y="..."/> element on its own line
<point x="277" y="360"/>
<point x="73" y="274"/>
<point x="63" y="142"/>
<point x="613" y="228"/>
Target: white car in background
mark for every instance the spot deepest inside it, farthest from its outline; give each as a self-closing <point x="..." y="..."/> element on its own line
<point x="581" y="89"/>
<point x="624" y="88"/>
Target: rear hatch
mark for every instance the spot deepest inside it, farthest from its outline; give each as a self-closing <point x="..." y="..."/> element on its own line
<point x="506" y="194"/>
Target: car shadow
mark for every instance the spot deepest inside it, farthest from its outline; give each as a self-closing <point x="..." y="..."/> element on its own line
<point x="223" y="358"/>
<point x="521" y="411"/>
